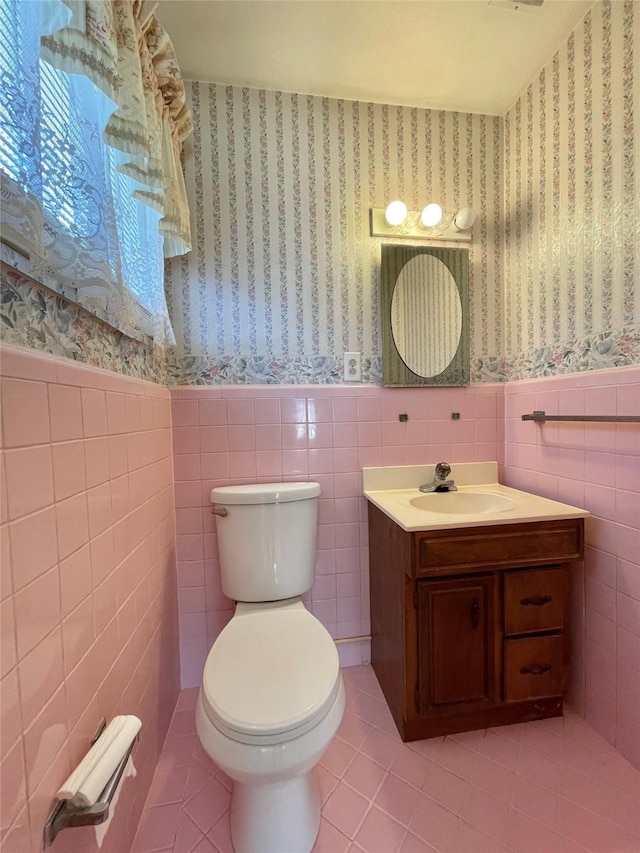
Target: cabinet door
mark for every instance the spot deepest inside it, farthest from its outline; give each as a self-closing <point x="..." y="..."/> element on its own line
<point x="455" y="642"/>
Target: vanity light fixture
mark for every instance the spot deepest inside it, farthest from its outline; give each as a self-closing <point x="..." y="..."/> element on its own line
<point x="430" y="223"/>
<point x="395" y="213"/>
<point x="464" y="219"/>
<point x="431" y="215"/>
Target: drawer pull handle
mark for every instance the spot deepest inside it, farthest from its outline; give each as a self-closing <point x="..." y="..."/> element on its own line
<point x="475" y="612"/>
<point x="535" y="669"/>
<point x="538" y="600"/>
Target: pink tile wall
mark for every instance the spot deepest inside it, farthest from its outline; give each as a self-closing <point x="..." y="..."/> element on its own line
<point x="88" y="591"/>
<point x="596" y="466"/>
<point x="261" y="434"/>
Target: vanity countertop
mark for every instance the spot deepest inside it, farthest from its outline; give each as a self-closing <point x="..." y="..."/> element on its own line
<point x="394" y="490"/>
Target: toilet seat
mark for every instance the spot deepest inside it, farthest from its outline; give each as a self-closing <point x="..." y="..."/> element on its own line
<point x="272" y="674"/>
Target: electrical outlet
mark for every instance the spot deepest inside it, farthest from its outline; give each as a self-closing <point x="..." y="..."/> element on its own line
<point x="352" y="367"/>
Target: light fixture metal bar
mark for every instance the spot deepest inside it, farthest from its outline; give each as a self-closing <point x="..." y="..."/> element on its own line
<point x="412" y="230"/>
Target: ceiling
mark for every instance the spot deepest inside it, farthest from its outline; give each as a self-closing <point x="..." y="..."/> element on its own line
<point x="468" y="55"/>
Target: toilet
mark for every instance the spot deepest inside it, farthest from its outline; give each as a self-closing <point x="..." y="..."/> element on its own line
<point x="272" y="694"/>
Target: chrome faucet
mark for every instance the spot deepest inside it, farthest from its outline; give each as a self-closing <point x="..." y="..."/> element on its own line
<point x="441" y="481"/>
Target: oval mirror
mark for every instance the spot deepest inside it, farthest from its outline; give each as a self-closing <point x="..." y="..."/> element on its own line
<point x="426" y="315"/>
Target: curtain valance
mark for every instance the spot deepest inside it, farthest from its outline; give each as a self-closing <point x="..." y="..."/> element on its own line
<point x="94" y="118"/>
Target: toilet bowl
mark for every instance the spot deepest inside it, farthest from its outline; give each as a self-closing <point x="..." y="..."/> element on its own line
<point x="272" y="695"/>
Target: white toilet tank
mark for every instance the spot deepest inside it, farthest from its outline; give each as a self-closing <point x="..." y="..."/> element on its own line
<point x="266" y="539"/>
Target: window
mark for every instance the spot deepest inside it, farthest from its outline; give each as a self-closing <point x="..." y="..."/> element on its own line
<point x="68" y="202"/>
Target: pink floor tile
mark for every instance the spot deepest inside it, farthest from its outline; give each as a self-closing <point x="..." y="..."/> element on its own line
<point x="435" y="825"/>
<point x="501" y="750"/>
<point x="457" y="758"/>
<point x="338" y="757"/>
<point x="330" y="839"/>
<point x="204" y="846"/>
<point x="353" y="730"/>
<point x="486" y="814"/>
<point x="618" y="806"/>
<point x="380" y="833"/>
<point x="592" y="831"/>
<point x="187" y="698"/>
<point x="536" y="801"/>
<point x="158" y="825"/>
<point x="471" y="839"/>
<point x="381" y="748"/>
<point x="187" y="835"/>
<point x="208" y="805"/>
<point x="413" y="844"/>
<point x="183" y="723"/>
<point x="491" y="777"/>
<point x="326" y="782"/>
<point x="198" y="777"/>
<point x="411" y="767"/>
<point x="220" y="834"/>
<point x="345" y="809"/>
<point x="553" y="786"/>
<point x="168" y="785"/>
<point x="365" y="776"/>
<point x="530" y="836"/>
<point x="446" y="788"/>
<point x="398" y="799"/>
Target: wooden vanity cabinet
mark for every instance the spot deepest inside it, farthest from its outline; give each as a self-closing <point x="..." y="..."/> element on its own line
<point x="468" y="625"/>
<point x="450" y="673"/>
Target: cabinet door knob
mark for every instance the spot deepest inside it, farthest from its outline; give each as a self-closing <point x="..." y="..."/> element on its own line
<point x="538" y="600"/>
<point x="535" y="669"/>
<point x="475" y="612"/>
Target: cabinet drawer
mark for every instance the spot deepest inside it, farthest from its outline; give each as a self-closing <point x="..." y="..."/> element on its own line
<point x="501" y="546"/>
<point x="534" y="600"/>
<point x="532" y="668"/>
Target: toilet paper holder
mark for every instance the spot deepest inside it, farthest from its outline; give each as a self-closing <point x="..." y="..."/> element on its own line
<point x="63" y="815"/>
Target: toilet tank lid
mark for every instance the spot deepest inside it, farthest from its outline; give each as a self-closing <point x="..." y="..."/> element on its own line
<point x="264" y="493"/>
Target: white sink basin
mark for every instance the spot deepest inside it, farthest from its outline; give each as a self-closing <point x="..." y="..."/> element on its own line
<point x="463" y="503"/>
<point x="479" y="502"/>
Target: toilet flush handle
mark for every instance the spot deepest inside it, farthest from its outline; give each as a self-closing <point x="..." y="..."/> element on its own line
<point x="219" y="510"/>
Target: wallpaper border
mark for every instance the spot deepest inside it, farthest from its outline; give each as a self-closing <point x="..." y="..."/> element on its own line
<point x="34" y="316"/>
<point x="603" y="351"/>
<point x="266" y="370"/>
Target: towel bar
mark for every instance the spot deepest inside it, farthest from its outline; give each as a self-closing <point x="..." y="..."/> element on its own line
<point x="541" y="417"/>
<point x="63" y="815"/>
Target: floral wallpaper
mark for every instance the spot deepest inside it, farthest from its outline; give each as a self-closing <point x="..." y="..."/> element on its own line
<point x="606" y="350"/>
<point x="256" y="370"/>
<point x="283" y="265"/>
<point x="284" y="277"/>
<point x="33" y="316"/>
<point x="572" y="206"/>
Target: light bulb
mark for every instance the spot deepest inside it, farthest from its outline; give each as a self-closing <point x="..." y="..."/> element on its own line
<point x="431" y="215"/>
<point x="464" y="219"/>
<point x="396" y="213"/>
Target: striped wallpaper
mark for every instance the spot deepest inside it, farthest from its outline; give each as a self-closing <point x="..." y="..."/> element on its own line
<point x="284" y="277"/>
<point x="572" y="204"/>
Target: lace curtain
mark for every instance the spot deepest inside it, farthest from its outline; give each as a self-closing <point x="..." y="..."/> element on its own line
<point x="92" y="121"/>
